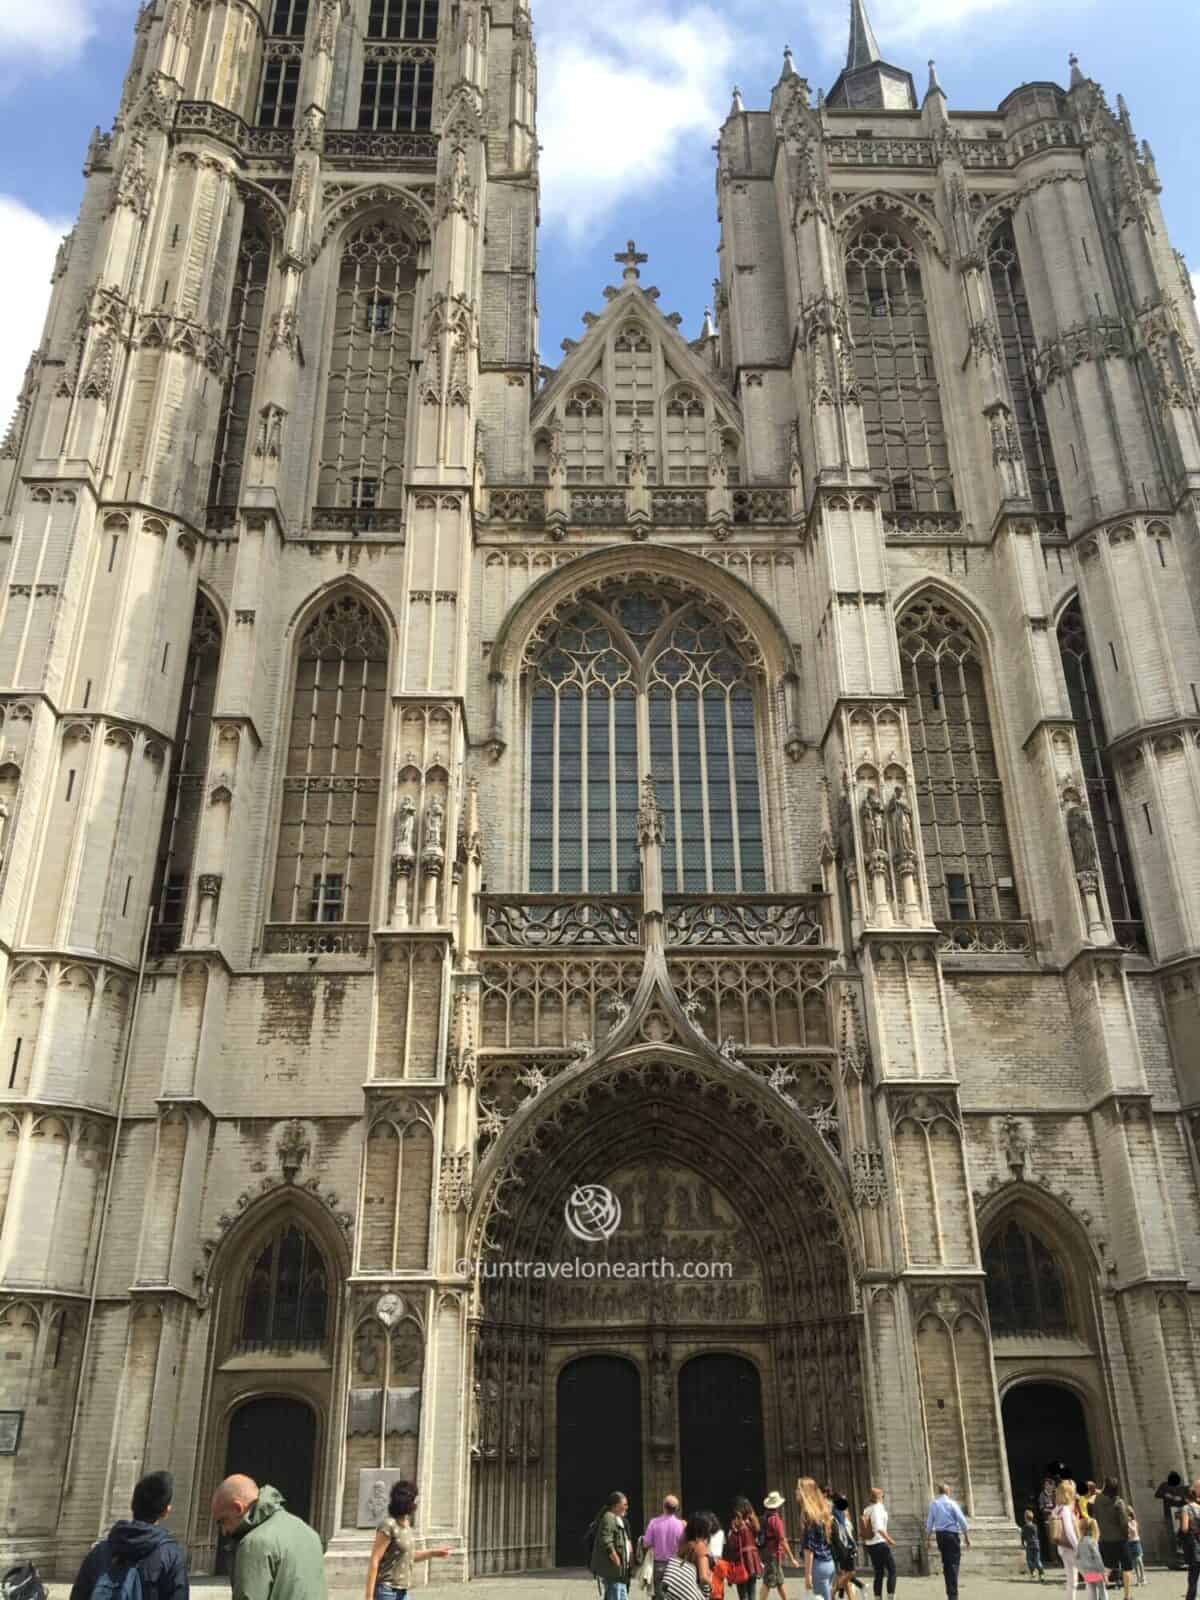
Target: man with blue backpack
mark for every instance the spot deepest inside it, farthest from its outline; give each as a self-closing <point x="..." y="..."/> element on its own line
<point x="139" y="1560"/>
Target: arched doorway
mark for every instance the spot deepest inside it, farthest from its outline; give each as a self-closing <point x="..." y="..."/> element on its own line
<point x="721" y="1443"/>
<point x="273" y="1440"/>
<point x="1043" y="1423"/>
<point x="599" y="1448"/>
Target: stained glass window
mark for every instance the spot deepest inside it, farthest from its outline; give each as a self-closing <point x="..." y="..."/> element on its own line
<point x="1026" y="1289"/>
<point x="326" y="853"/>
<point x="286" y="1301"/>
<point x="960" y="796"/>
<point x="1018" y="343"/>
<point x="893" y="358"/>
<point x="631" y="681"/>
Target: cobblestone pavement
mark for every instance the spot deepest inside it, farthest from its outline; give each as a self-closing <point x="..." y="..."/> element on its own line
<point x="1160" y="1585"/>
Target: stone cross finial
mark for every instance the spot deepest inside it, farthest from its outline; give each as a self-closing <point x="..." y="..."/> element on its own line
<point x="631" y="258"/>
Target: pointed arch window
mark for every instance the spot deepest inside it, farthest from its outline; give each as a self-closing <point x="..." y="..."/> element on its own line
<point x="366" y="398"/>
<point x="583" y="436"/>
<point x="243" y="336"/>
<point x="289" y="18"/>
<point x="1018" y="343"/>
<point x="687" y="438"/>
<point x="285" y="1303"/>
<point x="185" y="789"/>
<point x="1026" y="1285"/>
<point x="282" y="60"/>
<point x="326" y="853"/>
<point x="959" y="793"/>
<point x="631" y="680"/>
<point x="1112" y="845"/>
<point x="897" y="377"/>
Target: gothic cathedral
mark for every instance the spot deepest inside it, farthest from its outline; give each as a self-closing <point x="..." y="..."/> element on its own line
<point x="757" y="774"/>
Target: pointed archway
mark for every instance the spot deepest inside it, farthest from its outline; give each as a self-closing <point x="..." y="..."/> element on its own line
<point x="732" y="1236"/>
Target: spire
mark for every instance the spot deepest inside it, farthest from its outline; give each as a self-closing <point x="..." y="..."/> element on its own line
<point x="738" y="106"/>
<point x="863" y="48"/>
<point x="1076" y="76"/>
<point x="789" y="69"/>
<point x="934" y="86"/>
<point x="708" y="331"/>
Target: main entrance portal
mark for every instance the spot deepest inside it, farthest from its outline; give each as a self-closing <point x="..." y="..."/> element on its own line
<point x="718" y="1351"/>
<point x="599" y="1448"/>
<point x="721" y="1443"/>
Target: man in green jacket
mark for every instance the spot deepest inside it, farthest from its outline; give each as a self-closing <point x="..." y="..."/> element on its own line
<point x="277" y="1556"/>
<point x="611" y="1552"/>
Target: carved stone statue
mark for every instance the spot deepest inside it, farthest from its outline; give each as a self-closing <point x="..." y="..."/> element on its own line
<point x="1083" y="840"/>
<point x="406" y="822"/>
<point x="873" y="824"/>
<point x="900" y="819"/>
<point x="435" y="825"/>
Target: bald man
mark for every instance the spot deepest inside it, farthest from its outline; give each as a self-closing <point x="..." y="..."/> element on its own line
<point x="276" y="1555"/>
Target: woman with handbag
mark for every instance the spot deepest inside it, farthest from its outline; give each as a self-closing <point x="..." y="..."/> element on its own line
<point x="741" y="1548"/>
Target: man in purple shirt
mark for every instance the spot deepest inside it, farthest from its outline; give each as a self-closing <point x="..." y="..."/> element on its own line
<point x="661" y="1538"/>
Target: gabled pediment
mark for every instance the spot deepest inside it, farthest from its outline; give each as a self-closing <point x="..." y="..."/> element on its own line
<point x="633" y="375"/>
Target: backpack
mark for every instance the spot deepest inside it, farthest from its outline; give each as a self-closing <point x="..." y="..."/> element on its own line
<point x="841" y="1541"/>
<point x="120" y="1582"/>
<point x="760" y="1538"/>
<point x="22" y="1583"/>
<point x="589" y="1539"/>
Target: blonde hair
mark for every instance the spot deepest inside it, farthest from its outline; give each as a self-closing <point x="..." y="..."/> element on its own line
<point x="1029" y="1516"/>
<point x="1065" y="1494"/>
<point x="814" y="1508"/>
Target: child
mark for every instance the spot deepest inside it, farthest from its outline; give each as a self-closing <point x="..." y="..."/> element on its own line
<point x="1135" y="1549"/>
<point x="1089" y="1561"/>
<point x="1033" y="1548"/>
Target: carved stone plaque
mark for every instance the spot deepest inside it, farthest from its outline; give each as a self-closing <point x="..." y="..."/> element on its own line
<point x="374" y="1487"/>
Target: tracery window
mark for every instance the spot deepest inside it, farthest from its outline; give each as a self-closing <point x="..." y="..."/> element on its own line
<point x="286" y="1300"/>
<point x="1017" y="340"/>
<point x="634" y="399"/>
<point x="893" y="359"/>
<point x="402" y="19"/>
<point x="1026" y="1288"/>
<point x="366" y="400"/>
<point x="397" y="93"/>
<point x="633" y="680"/>
<point x="960" y="796"/>
<point x="583" y="436"/>
<point x="1112" y="846"/>
<point x="185" y="789"/>
<point x="687" y="441"/>
<point x="243" y="336"/>
<point x="326" y="852"/>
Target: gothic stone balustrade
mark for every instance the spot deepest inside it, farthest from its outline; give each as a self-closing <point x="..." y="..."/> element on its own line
<point x="671" y="506"/>
<point x="690" y="921"/>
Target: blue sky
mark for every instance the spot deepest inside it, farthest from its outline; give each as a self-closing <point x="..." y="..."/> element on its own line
<point x="632" y="93"/>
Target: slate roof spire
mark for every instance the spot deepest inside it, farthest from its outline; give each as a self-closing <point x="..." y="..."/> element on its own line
<point x="867" y="82"/>
<point x="863" y="46"/>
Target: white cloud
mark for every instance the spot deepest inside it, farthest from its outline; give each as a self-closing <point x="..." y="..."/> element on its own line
<point x="49" y="34"/>
<point x="625" y="91"/>
<point x="30" y="244"/>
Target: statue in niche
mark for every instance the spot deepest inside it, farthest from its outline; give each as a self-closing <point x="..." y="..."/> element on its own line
<point x="1083" y="840"/>
<point x="435" y="825"/>
<point x="904" y="842"/>
<point x="873" y="825"/>
<point x="377" y="1504"/>
<point x="406" y="823"/>
<point x="683" y="1206"/>
<point x="706" y="1211"/>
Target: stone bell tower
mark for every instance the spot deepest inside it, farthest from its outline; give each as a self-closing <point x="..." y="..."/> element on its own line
<point x="278" y="354"/>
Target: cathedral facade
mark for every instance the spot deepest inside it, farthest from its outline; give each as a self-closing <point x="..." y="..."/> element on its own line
<point x="750" y="781"/>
